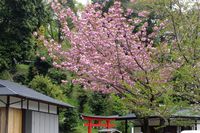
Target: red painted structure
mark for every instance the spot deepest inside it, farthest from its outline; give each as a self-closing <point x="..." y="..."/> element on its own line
<point x="102" y="121"/>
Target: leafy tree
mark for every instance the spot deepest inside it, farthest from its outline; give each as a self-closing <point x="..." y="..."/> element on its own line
<point x="99" y="103"/>
<point x="108" y="54"/>
<point x="18" y="19"/>
<point x="118" y="107"/>
<point x="38" y="67"/>
<point x="45" y="86"/>
<point x="82" y="100"/>
<point x="181" y="38"/>
<point x="21" y="74"/>
<point x="70" y="121"/>
<point x="185" y="28"/>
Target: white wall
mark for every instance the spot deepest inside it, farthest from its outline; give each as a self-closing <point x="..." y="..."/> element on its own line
<point x="137" y="130"/>
<point x="198" y="125"/>
<point x="44" y="123"/>
<point x="17" y="104"/>
<point x="4" y="99"/>
<point x="53" y="109"/>
<point x="43" y="107"/>
<point x="33" y="105"/>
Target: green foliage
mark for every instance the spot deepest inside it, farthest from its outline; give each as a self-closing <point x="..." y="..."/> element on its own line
<point x="38" y="67"/>
<point x="99" y="103"/>
<point x="18" y="19"/>
<point x="21" y="73"/>
<point x="70" y="121"/>
<point x="22" y="68"/>
<point x="82" y="129"/>
<point x="5" y="75"/>
<point x="186" y="82"/>
<point x="57" y="75"/>
<point x="82" y="98"/>
<point x="118" y="106"/>
<point x="183" y="23"/>
<point x="155" y="100"/>
<point x="108" y="4"/>
<point x="45" y="86"/>
<point x="3" y="64"/>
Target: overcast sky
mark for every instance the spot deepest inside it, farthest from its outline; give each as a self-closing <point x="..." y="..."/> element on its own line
<point x="85" y="2"/>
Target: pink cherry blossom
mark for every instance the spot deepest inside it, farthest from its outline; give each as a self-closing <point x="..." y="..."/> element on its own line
<point x="43" y="58"/>
<point x="64" y="81"/>
<point x="143" y="14"/>
<point x="104" y="51"/>
<point x="35" y="34"/>
<point x="133" y="1"/>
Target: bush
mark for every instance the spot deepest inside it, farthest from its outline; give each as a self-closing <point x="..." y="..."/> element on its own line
<point x="3" y="65"/>
<point x="5" y="75"/>
<point x="57" y="75"/>
<point x="99" y="103"/>
<point x="70" y="121"/>
<point x="21" y="73"/>
<point x="20" y="78"/>
<point x="45" y="86"/>
<point x="38" y="67"/>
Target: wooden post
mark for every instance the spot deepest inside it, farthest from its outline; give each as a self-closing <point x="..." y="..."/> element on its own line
<point x="126" y="126"/>
<point x="195" y="124"/>
<point x="107" y="124"/>
<point x="89" y="126"/>
<point x="7" y="113"/>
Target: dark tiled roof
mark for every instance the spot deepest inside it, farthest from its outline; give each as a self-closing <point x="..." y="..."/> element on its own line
<point x="189" y="112"/>
<point x="127" y="117"/>
<point x="14" y="89"/>
<point x="100" y="117"/>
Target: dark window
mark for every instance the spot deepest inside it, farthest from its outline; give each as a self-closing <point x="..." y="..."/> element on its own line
<point x="171" y="129"/>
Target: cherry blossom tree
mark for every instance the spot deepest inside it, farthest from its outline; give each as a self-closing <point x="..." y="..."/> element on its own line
<point x="112" y="52"/>
<point x="104" y="49"/>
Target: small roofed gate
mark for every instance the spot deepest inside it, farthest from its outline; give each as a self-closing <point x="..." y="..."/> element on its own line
<point x="102" y="121"/>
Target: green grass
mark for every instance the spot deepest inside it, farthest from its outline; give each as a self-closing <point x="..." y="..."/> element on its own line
<point x="5" y="75"/>
<point x="22" y="69"/>
<point x="82" y="129"/>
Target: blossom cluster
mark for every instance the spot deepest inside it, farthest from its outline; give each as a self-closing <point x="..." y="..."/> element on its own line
<point x="104" y="49"/>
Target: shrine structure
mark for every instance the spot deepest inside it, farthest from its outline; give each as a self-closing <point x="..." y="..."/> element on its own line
<point x="99" y="121"/>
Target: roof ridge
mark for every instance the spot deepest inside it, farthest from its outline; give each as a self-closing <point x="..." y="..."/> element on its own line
<point x="2" y="85"/>
<point x="9" y="88"/>
<point x="25" y="91"/>
<point x="12" y="90"/>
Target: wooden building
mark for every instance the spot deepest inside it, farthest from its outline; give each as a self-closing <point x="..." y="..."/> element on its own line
<point x="23" y="110"/>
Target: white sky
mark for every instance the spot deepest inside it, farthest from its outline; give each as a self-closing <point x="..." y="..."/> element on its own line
<point x="84" y="2"/>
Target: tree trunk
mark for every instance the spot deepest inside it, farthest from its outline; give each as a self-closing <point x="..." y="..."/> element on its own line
<point x="162" y="123"/>
<point x="146" y="128"/>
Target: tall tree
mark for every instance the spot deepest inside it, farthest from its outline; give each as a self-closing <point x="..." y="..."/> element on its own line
<point x="113" y="51"/>
<point x="182" y="41"/>
<point x="184" y="25"/>
<point x="18" y="20"/>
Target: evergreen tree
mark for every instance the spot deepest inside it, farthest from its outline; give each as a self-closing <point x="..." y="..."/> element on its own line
<point x="18" y="20"/>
